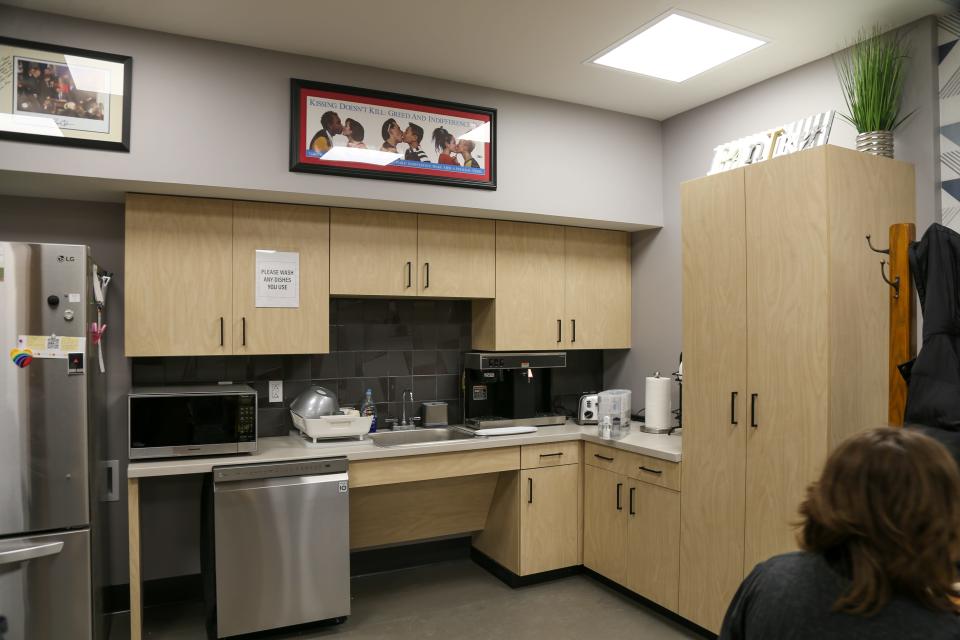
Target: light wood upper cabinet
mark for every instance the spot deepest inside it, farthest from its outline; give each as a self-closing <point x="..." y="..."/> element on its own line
<point x="190" y="277"/>
<point x="373" y="253"/>
<point x="456" y="257"/>
<point x="557" y="288"/>
<point x="279" y="227"/>
<point x="653" y="543"/>
<point x="597" y="288"/>
<point x="604" y="523"/>
<point x="528" y="311"/>
<point x="549" y="523"/>
<point x="178" y="276"/>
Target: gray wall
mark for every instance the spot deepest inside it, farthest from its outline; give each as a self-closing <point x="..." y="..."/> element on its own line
<point x="211" y="117"/>
<point x="688" y="143"/>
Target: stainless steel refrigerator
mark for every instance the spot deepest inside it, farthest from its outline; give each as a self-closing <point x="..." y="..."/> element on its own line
<point x="52" y="412"/>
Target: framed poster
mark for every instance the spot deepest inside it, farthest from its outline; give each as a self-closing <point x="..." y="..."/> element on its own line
<point x="65" y="96"/>
<point x="374" y="134"/>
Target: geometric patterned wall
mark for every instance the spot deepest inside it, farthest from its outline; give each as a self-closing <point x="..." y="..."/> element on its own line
<point x="948" y="35"/>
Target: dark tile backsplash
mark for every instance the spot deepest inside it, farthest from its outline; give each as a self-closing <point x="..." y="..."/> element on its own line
<point x="383" y="345"/>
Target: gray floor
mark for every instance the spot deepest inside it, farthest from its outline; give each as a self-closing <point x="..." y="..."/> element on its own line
<point x="454" y="600"/>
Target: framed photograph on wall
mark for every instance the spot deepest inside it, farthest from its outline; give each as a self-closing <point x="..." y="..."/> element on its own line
<point x="65" y="96"/>
<point x="364" y="133"/>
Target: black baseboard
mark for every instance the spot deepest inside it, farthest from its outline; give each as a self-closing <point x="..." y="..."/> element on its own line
<point x="116" y="597"/>
<point x="650" y="604"/>
<point x="513" y="580"/>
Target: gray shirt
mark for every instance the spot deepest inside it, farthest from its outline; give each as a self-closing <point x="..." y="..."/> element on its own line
<point x="790" y="597"/>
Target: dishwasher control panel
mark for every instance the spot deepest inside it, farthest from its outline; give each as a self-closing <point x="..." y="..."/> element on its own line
<point x="322" y="466"/>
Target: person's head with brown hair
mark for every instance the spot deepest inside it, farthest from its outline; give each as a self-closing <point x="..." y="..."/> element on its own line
<point x="887" y="506"/>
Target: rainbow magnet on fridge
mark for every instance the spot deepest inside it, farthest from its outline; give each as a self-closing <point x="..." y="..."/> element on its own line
<point x="21" y="357"/>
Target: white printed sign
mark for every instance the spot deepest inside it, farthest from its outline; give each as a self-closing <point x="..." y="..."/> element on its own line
<point x="278" y="278"/>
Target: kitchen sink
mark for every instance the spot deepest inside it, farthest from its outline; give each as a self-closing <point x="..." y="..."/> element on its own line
<point x="418" y="436"/>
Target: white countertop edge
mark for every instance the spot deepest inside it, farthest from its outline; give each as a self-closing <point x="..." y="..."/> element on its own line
<point x="287" y="448"/>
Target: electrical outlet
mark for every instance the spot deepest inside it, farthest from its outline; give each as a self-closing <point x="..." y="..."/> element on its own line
<point x="276" y="391"/>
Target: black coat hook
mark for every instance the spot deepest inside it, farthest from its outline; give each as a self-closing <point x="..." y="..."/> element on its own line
<point x="896" y="281"/>
<point x="873" y="248"/>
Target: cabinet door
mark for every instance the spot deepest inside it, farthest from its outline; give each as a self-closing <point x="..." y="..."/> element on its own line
<point x="787" y="348"/>
<point x="653" y="543"/>
<point x="178" y="281"/>
<point x="288" y="228"/>
<point x="457" y="257"/>
<point x="529" y="304"/>
<point x="597" y="288"/>
<point x="548" y="518"/>
<point x="715" y="394"/>
<point x="373" y="253"/>
<point x="604" y="523"/>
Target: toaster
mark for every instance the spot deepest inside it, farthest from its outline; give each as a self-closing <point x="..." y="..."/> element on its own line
<point x="587" y="411"/>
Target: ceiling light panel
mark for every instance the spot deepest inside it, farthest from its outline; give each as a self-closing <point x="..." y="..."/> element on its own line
<point x="677" y="47"/>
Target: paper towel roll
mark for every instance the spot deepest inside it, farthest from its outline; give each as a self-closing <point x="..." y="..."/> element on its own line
<point x="657" y="413"/>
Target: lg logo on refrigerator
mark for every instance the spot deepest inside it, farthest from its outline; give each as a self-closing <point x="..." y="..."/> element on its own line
<point x="66" y="259"/>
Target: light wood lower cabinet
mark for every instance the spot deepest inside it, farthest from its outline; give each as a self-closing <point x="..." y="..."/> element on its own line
<point x="605" y="523"/>
<point x="534" y="523"/>
<point x="653" y="543"/>
<point x="631" y="532"/>
<point x="549" y="523"/>
<point x="178" y="270"/>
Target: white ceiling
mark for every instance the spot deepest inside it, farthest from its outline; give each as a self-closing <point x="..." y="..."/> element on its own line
<point x="536" y="47"/>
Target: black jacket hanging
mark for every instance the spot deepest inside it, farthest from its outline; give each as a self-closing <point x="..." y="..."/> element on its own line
<point x="933" y="397"/>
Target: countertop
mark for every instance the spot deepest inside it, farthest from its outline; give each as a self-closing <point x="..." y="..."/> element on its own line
<point x="286" y="448"/>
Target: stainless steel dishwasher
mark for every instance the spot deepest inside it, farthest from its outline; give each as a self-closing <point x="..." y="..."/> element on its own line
<point x="281" y="544"/>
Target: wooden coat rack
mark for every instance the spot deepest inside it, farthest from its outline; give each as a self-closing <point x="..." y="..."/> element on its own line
<point x="902" y="343"/>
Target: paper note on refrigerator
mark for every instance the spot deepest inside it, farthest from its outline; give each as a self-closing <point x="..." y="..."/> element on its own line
<point x="52" y="346"/>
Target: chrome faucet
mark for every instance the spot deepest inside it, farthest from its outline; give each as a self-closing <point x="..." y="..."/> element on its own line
<point x="404" y="422"/>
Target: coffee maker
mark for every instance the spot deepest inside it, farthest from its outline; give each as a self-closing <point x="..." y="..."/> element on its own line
<point x="510" y="389"/>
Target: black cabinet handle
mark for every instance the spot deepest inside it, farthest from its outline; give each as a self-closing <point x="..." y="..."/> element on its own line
<point x="427" y="283"/>
<point x="619" y="505"/>
<point x="633" y="491"/>
<point x="559" y="330"/>
<point x="649" y="470"/>
<point x="409" y="274"/>
<point x="244" y="331"/>
<point x="597" y="455"/>
<point x="573" y="330"/>
<point x="529" y="490"/>
<point x="551" y="455"/>
<point x="753" y="409"/>
<point x="221" y="331"/>
<point x="733" y="407"/>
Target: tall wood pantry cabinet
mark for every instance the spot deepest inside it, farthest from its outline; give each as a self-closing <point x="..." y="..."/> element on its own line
<point x="785" y="326"/>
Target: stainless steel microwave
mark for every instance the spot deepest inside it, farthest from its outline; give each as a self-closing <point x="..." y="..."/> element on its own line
<point x="196" y="420"/>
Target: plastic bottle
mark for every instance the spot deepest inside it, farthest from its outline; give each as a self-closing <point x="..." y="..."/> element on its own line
<point x="368" y="408"/>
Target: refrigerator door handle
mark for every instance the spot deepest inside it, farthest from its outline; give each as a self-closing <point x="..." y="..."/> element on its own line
<point x="29" y="552"/>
